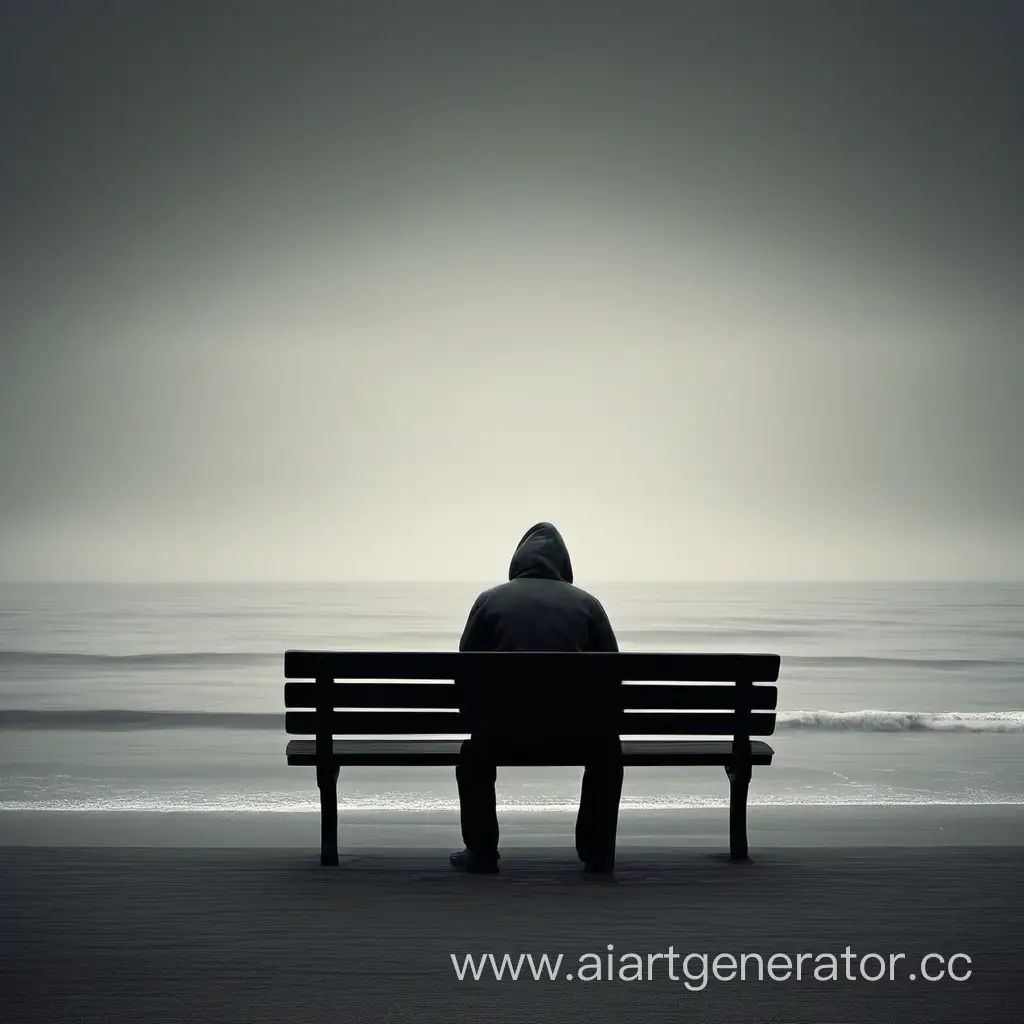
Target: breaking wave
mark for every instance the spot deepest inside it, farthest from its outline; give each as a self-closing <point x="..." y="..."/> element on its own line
<point x="182" y="659"/>
<point x="903" y="721"/>
<point x="418" y="640"/>
<point x="871" y="661"/>
<point x="102" y="720"/>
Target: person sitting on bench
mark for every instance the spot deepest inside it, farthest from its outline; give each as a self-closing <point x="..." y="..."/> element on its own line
<point x="539" y="609"/>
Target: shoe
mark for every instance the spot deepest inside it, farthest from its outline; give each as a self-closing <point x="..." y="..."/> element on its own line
<point x="474" y="864"/>
<point x="601" y="866"/>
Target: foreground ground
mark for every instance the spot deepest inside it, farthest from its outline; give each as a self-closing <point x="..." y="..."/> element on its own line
<point x="111" y="933"/>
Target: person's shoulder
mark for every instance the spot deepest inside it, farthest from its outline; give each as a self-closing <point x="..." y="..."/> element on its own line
<point x="591" y="601"/>
<point x="485" y="595"/>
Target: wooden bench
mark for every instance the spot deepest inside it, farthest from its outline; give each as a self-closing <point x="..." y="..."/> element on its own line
<point x="354" y="695"/>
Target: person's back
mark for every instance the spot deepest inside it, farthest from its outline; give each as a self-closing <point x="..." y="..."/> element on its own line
<point x="539" y="609"/>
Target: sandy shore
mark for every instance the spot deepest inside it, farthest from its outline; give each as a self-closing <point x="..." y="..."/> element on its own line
<point x="100" y="931"/>
<point x="770" y="827"/>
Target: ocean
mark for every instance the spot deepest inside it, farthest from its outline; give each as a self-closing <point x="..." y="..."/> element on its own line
<point x="131" y="697"/>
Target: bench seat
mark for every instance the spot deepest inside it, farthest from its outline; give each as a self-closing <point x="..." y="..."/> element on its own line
<point x="412" y="752"/>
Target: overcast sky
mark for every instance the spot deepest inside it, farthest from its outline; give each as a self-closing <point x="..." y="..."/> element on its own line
<point x="361" y="291"/>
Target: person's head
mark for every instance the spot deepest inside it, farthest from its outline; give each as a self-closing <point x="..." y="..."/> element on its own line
<point x="541" y="554"/>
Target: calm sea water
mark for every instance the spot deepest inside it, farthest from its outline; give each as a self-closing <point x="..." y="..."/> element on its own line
<point x="889" y="693"/>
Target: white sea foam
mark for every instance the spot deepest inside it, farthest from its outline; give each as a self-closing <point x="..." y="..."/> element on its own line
<point x="904" y="721"/>
<point x="243" y="804"/>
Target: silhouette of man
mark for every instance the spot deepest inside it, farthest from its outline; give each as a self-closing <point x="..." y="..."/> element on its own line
<point x="539" y="609"/>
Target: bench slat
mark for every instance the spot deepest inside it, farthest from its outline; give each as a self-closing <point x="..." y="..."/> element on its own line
<point x="446" y="753"/>
<point x="397" y="723"/>
<point x="630" y="665"/>
<point x="641" y="696"/>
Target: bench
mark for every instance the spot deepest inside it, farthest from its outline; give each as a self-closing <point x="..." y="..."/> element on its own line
<point x="357" y="697"/>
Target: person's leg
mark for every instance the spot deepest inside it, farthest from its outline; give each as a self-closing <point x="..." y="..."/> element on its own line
<point x="476" y="773"/>
<point x="598" y="818"/>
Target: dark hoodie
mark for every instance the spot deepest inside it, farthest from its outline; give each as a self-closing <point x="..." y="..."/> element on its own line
<point x="538" y="609"/>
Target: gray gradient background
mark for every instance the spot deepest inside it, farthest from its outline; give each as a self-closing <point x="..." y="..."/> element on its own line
<point x="358" y="291"/>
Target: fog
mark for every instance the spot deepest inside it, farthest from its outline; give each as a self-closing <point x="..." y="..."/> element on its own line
<point x="362" y="291"/>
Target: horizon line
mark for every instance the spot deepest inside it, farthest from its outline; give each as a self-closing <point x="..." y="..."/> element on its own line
<point x="485" y="582"/>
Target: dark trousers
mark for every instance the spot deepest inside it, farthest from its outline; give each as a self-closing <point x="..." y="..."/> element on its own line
<point x="597" y="820"/>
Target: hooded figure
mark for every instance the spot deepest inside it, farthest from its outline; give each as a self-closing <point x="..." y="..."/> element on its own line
<point x="539" y="609"/>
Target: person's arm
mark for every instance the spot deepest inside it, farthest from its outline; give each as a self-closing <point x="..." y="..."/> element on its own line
<point x="476" y="636"/>
<point x="608" y="707"/>
<point x="602" y="636"/>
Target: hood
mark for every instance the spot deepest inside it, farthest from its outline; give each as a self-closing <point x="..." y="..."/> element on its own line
<point x="541" y="554"/>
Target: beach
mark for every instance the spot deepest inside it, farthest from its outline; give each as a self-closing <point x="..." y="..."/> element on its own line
<point x="117" y="918"/>
<point x="309" y="312"/>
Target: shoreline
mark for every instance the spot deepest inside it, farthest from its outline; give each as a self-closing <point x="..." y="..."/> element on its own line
<point x="770" y="827"/>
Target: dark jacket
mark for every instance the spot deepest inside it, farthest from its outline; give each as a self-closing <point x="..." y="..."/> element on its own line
<point x="539" y="609"/>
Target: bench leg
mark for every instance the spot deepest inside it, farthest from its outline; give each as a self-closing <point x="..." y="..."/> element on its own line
<point x="327" y="782"/>
<point x="739" y="784"/>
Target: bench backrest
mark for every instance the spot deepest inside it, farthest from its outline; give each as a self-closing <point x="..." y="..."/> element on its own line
<point x="355" y="693"/>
